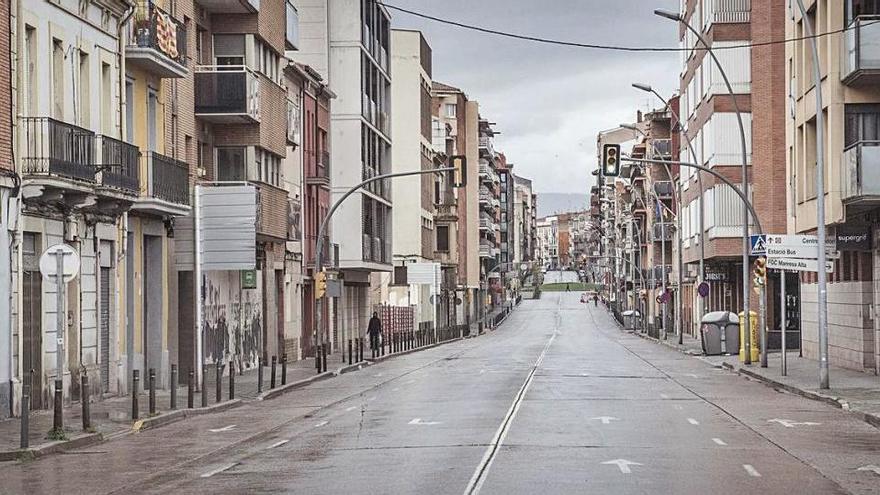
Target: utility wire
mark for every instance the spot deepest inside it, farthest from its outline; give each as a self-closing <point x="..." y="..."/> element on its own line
<point x="617" y="48"/>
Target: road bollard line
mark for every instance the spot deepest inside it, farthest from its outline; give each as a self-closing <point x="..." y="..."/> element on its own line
<point x="173" y="387"/>
<point x="86" y="412"/>
<point x="135" y="409"/>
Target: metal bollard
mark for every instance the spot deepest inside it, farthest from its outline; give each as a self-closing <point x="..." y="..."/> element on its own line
<point x="203" y="384"/>
<point x="324" y="349"/>
<point x="58" y="420"/>
<point x="272" y="376"/>
<point x="349" y="351"/>
<point x="86" y="412"/>
<point x="135" y="410"/>
<point x="362" y="348"/>
<point x="218" y="393"/>
<point x="284" y="369"/>
<point x="189" y="389"/>
<point x="383" y="344"/>
<point x="259" y="374"/>
<point x="152" y="391"/>
<point x="24" y="441"/>
<point x="231" y="380"/>
<point x="173" y="387"/>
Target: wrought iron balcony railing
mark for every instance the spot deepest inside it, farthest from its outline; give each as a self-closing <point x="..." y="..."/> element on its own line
<point x="55" y="148"/>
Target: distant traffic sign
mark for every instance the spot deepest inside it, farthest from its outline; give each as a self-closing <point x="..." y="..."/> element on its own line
<point x="69" y="262"/>
<point x="798" y="265"/>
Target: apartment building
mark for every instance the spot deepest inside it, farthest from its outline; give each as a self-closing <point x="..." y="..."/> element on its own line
<point x="455" y="112"/>
<point x="309" y="102"/>
<point x="710" y="125"/>
<point x="414" y="217"/>
<point x="8" y="182"/>
<point x="851" y="99"/>
<point x="548" y="241"/>
<point x="348" y="43"/>
<point x="490" y="215"/>
<point x="446" y="226"/>
<point x="66" y="71"/>
<point x="524" y="223"/>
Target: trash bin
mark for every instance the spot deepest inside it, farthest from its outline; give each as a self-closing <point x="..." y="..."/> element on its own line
<point x="753" y="330"/>
<point x="719" y="333"/>
<point x="631" y="319"/>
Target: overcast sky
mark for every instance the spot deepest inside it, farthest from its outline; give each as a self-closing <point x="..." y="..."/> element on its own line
<point x="550" y="101"/>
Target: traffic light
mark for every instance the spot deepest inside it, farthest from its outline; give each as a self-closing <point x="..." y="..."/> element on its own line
<point x="760" y="271"/>
<point x="459" y="175"/>
<point x="320" y="285"/>
<point x="611" y="160"/>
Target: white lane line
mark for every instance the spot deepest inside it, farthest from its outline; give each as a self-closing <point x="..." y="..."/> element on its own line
<point x="219" y="470"/>
<point x="719" y="441"/>
<point x="395" y="389"/>
<point x="664" y="396"/>
<point x="277" y="444"/>
<point x="677" y="407"/>
<point x="225" y="428"/>
<point x="751" y="470"/>
<point x="322" y="423"/>
<point x="693" y="421"/>
<point x="350" y="409"/>
<point x="371" y="399"/>
<point x="479" y="476"/>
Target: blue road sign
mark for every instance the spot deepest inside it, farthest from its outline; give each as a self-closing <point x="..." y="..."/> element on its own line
<point x="758" y="245"/>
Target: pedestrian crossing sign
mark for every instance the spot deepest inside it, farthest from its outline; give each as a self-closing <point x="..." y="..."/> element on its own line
<point x="758" y="245"/>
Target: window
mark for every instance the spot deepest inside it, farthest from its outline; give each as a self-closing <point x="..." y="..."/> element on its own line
<point x="862" y="123"/>
<point x="58" y="79"/>
<point x="451" y="110"/>
<point x="129" y="110"/>
<point x="29" y="93"/>
<point x="106" y="99"/>
<point x="229" y="49"/>
<point x="443" y="238"/>
<point x="83" y="107"/>
<point x="230" y="164"/>
<point x="268" y="167"/>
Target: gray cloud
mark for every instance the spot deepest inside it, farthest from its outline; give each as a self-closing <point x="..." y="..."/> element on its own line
<point x="550" y="101"/>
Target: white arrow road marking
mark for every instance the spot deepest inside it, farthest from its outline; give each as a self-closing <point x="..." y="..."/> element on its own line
<point x="606" y="419"/>
<point x="719" y="441"/>
<point x="322" y="423"/>
<point x="623" y="464"/>
<point x="419" y="422"/>
<point x="751" y="470"/>
<point x="277" y="444"/>
<point x="693" y="421"/>
<point x="219" y="470"/>
<point x="395" y="389"/>
<point x="677" y="407"/>
<point x="791" y="424"/>
<point x="350" y="409"/>
<point x="371" y="399"/>
<point x="410" y="382"/>
<point x="664" y="396"/>
<point x="870" y="467"/>
<point x="225" y="428"/>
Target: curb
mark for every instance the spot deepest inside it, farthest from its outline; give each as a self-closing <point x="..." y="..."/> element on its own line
<point x="51" y="447"/>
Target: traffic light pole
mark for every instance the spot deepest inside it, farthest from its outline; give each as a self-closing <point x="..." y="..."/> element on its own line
<point x="319" y="247"/>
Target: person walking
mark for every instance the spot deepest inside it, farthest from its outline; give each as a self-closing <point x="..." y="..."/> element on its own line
<point x="595" y="301"/>
<point x="374" y="329"/>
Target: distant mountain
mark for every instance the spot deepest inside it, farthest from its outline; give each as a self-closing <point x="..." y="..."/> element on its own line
<point x="554" y="203"/>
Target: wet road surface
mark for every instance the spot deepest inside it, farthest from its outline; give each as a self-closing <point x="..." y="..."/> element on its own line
<point x="556" y="400"/>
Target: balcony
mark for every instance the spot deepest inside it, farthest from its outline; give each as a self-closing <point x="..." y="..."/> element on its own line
<point x="164" y="185"/>
<point x="663" y="189"/>
<point x="661" y="148"/>
<point x="486" y="250"/>
<point x="860" y="63"/>
<point x="118" y="165"/>
<point x="227" y="94"/>
<point x="322" y="175"/>
<point x="156" y="42"/>
<point x="272" y="212"/>
<point x="231" y="6"/>
<point x="860" y="184"/>
<point x="487" y="148"/>
<point x="663" y="231"/>
<point x="486" y="223"/>
<point x="291" y="37"/>
<point x="446" y="212"/>
<point x="57" y="149"/>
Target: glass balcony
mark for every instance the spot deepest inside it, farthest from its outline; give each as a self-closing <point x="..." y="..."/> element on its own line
<point x="227" y="94"/>
<point x="861" y="173"/>
<point x="54" y="148"/>
<point x="156" y="42"/>
<point x="861" y="52"/>
<point x="663" y="189"/>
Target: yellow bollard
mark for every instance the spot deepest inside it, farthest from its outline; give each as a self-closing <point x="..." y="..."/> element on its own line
<point x="753" y="327"/>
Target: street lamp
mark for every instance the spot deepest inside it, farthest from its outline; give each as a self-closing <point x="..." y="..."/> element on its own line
<point x="648" y="89"/>
<point x="745" y="183"/>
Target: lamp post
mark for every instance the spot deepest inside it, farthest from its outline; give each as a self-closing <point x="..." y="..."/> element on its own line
<point x="745" y="178"/>
<point x="820" y="202"/>
<point x="701" y="221"/>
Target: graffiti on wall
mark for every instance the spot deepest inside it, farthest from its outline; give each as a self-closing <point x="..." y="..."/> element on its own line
<point x="233" y="320"/>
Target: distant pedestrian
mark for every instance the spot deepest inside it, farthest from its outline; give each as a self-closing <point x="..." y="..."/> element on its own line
<point x="567" y="287"/>
<point x="595" y="301"/>
<point x="374" y="329"/>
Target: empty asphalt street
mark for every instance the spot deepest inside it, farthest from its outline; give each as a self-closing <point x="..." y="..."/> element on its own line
<point x="556" y="400"/>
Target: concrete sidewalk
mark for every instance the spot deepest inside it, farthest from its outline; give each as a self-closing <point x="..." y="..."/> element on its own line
<point x="113" y="416"/>
<point x="853" y="391"/>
